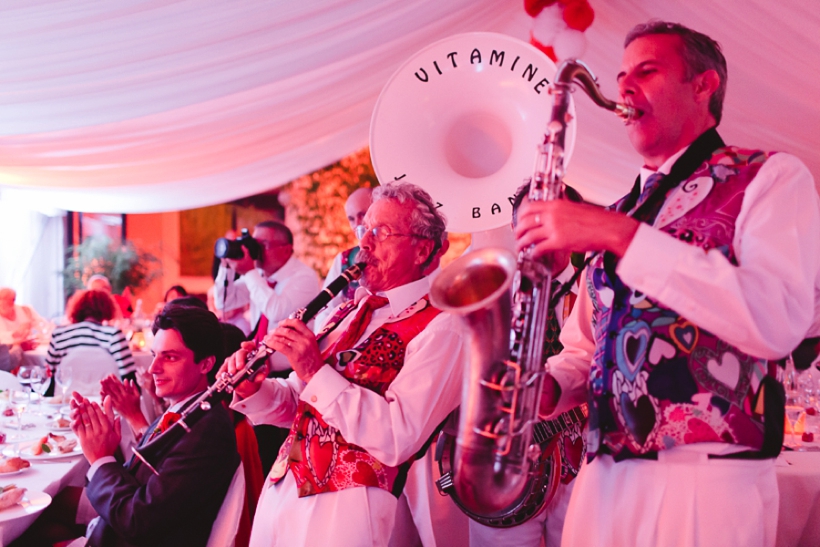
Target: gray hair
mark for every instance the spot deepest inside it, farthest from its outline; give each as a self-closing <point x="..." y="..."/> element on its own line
<point x="700" y="53"/>
<point x="425" y="220"/>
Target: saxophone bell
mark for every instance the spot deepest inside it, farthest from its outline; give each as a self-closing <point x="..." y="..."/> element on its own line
<point x="494" y="467"/>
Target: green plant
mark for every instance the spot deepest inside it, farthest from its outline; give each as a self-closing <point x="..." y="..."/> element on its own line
<point x="123" y="265"/>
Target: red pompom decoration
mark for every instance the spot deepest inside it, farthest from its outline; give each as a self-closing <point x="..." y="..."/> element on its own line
<point x="534" y="7"/>
<point x="546" y="49"/>
<point x="578" y="15"/>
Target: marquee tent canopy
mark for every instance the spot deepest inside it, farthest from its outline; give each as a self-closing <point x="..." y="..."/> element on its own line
<point x="155" y="105"/>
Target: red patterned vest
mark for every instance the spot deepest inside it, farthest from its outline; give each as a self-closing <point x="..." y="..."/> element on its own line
<point x="320" y="459"/>
<point x="657" y="380"/>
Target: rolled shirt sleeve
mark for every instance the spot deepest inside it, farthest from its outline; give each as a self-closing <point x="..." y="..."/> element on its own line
<point x="765" y="305"/>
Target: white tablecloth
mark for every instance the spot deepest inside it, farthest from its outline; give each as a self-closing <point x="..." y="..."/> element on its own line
<point x="798" y="479"/>
<point x="49" y="476"/>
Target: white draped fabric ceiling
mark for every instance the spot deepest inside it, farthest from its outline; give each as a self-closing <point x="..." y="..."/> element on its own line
<point x="156" y="105"/>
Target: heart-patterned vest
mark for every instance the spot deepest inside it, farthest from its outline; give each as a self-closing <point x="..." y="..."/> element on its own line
<point x="657" y="380"/>
<point x="320" y="459"/>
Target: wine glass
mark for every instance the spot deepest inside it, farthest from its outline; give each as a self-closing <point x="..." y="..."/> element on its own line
<point x="63" y="378"/>
<point x="39" y="383"/>
<point x="793" y="413"/>
<point x="19" y="399"/>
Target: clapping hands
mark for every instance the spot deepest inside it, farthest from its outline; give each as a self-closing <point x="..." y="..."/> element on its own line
<point x="125" y="399"/>
<point x="96" y="427"/>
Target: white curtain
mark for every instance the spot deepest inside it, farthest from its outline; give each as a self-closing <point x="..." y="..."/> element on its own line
<point x="153" y="105"/>
<point x="31" y="258"/>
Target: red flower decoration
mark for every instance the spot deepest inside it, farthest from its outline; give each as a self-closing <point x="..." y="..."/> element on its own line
<point x="534" y="7"/>
<point x="578" y="15"/>
<point x="546" y="49"/>
<point x="168" y="419"/>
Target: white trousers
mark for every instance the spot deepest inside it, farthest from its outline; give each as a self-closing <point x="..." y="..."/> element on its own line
<point x="683" y="499"/>
<point x="354" y="517"/>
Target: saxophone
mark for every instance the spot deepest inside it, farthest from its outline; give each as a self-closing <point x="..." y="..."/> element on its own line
<point x="495" y="463"/>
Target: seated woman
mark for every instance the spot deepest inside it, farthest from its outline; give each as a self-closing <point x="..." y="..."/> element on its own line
<point x="88" y="311"/>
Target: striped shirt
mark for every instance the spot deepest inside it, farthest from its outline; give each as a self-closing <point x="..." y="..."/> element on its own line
<point x="91" y="334"/>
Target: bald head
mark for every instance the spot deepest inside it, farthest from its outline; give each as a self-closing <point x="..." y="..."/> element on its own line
<point x="98" y="282"/>
<point x="356" y="206"/>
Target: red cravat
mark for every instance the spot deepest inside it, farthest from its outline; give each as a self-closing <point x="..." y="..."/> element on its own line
<point x="262" y="326"/>
<point x="359" y="323"/>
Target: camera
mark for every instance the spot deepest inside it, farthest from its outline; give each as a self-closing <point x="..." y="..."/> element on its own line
<point x="227" y="248"/>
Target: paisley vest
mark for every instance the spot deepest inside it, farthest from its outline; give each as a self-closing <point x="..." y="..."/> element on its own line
<point x="320" y="459"/>
<point x="657" y="380"/>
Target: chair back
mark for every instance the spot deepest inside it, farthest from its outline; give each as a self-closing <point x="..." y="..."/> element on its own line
<point x="9" y="381"/>
<point x="223" y="533"/>
<point x="88" y="366"/>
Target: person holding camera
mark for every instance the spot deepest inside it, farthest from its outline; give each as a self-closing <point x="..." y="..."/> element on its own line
<point x="274" y="281"/>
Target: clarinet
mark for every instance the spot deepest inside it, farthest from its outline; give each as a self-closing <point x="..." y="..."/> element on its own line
<point x="226" y="382"/>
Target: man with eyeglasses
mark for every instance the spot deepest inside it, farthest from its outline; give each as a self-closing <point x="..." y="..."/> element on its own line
<point x="363" y="402"/>
<point x="277" y="283"/>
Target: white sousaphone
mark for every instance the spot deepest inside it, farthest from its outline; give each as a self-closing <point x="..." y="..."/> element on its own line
<point x="462" y="118"/>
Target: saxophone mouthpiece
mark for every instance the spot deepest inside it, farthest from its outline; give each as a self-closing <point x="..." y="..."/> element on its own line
<point x="625" y="112"/>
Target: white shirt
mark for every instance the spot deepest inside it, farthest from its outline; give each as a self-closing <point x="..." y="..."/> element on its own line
<point x="391" y="428"/>
<point x="764" y="306"/>
<point x="296" y="285"/>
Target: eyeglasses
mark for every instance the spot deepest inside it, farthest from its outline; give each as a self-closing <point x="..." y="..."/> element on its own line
<point x="380" y="233"/>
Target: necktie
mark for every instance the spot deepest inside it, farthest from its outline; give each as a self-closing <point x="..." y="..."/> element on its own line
<point x="358" y="325"/>
<point x="652" y="183"/>
<point x="552" y="332"/>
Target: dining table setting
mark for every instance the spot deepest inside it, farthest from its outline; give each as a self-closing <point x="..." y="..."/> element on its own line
<point x="39" y="457"/>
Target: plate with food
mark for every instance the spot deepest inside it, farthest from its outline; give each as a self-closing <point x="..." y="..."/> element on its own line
<point x="60" y="424"/>
<point x="56" y="401"/>
<point x="52" y="447"/>
<point x="13" y="465"/>
<point x="18" y="502"/>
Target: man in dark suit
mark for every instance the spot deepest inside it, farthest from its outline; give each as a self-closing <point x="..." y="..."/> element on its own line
<point x="177" y="506"/>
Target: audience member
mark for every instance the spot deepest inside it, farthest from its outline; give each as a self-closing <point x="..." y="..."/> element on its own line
<point x="88" y="312"/>
<point x="364" y="403"/>
<point x="101" y="283"/>
<point x="178" y="505"/>
<point x="17" y="325"/>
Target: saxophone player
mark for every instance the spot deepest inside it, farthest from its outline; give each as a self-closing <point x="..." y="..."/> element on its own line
<point x="702" y="282"/>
